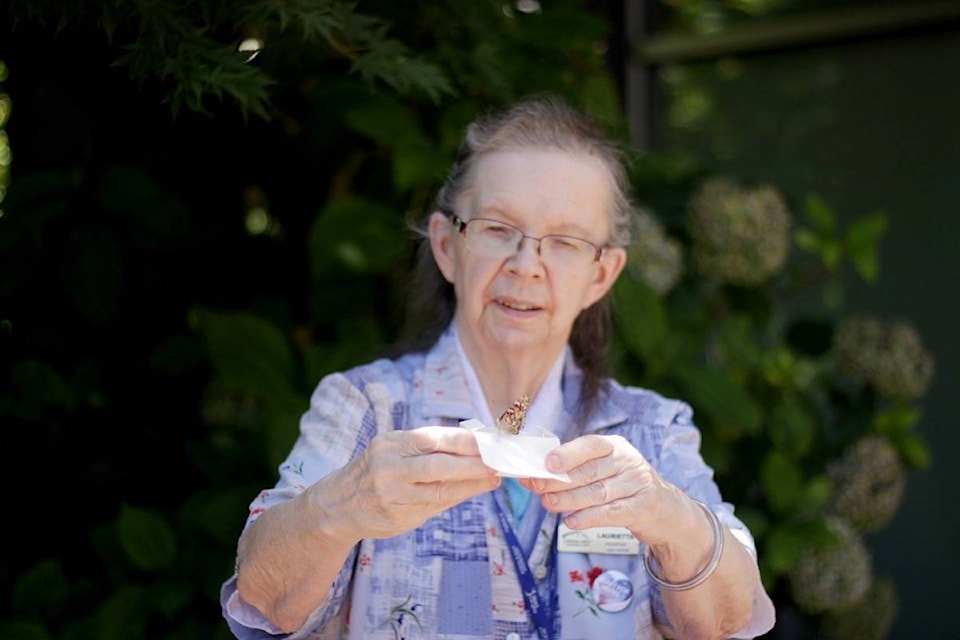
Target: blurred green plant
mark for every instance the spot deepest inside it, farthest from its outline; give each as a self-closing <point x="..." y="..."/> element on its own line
<point x="222" y="347"/>
<point x="808" y="414"/>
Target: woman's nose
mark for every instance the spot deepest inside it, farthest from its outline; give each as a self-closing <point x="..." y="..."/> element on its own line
<point x="526" y="259"/>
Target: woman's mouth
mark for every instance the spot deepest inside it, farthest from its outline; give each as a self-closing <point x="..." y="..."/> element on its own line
<point x="517" y="306"/>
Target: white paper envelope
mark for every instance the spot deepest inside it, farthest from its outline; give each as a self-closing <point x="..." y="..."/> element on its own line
<point x="519" y="456"/>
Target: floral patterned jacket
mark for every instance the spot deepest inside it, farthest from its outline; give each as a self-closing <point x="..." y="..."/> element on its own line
<point x="453" y="577"/>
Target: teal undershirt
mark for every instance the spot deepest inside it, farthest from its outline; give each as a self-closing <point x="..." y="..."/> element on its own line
<point x="517" y="497"/>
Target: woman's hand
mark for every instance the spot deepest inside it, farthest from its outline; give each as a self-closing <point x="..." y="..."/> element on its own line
<point x="289" y="557"/>
<point x="612" y="484"/>
<point x="402" y="479"/>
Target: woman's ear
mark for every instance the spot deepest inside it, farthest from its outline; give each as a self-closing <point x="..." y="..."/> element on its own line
<point x="441" y="244"/>
<point x="608" y="269"/>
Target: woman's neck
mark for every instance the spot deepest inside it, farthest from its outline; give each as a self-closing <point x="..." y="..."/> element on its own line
<point x="504" y="377"/>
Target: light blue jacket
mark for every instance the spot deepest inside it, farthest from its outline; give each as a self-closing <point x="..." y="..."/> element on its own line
<point x="452" y="578"/>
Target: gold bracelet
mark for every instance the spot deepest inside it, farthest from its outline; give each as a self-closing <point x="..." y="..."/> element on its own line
<point x="707" y="570"/>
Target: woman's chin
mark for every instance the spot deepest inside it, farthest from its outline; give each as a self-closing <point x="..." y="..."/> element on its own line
<point x="519" y="342"/>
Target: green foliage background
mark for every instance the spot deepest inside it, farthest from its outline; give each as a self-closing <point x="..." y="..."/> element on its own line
<point x="192" y="238"/>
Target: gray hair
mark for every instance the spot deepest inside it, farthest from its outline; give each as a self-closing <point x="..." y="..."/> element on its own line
<point x="542" y="121"/>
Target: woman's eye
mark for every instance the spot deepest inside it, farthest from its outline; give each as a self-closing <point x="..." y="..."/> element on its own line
<point x="565" y="245"/>
<point x="498" y="231"/>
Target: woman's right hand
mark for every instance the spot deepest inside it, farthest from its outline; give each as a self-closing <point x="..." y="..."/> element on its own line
<point x="289" y="556"/>
<point x="402" y="479"/>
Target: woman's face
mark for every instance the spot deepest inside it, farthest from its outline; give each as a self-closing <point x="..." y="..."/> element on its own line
<point x="520" y="304"/>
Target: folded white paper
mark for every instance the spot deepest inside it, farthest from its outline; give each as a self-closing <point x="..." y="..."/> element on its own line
<point x="521" y="456"/>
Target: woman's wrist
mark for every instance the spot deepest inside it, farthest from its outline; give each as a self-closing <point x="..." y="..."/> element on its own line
<point x="678" y="572"/>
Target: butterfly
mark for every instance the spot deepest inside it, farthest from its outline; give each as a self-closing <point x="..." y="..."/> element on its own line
<point x="513" y="418"/>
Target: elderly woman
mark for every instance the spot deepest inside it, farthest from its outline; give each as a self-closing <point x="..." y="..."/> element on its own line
<point x="386" y="522"/>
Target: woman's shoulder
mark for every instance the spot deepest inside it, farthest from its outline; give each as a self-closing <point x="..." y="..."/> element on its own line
<point x="644" y="405"/>
<point x="391" y="372"/>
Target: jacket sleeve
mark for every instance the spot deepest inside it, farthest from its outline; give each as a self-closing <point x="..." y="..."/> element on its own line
<point x="339" y="423"/>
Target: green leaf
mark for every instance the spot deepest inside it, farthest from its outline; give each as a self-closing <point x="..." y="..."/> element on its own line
<point x="815" y="494"/>
<point x="721" y="398"/>
<point x="124" y="615"/>
<point x="386" y="122"/>
<point x="639" y="315"/>
<point x="147" y="538"/>
<point x="807" y="240"/>
<point x="356" y="235"/>
<point x="41" y="591"/>
<point x="418" y="163"/>
<point x="831" y="252"/>
<point x="914" y="451"/>
<point x="23" y="631"/>
<point x="735" y="335"/>
<point x="861" y="245"/>
<point x="93" y="273"/>
<point x="781" y="481"/>
<point x="135" y="194"/>
<point x="821" y="216"/>
<point x="897" y="420"/>
<point x="391" y="63"/>
<point x="791" y="427"/>
<point x="250" y="352"/>
<point x="781" y="549"/>
<point x="171" y="596"/>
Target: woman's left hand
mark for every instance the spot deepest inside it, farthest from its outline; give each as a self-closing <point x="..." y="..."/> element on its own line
<point x="612" y="484"/>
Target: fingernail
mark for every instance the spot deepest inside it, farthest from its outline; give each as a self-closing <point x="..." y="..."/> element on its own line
<point x="553" y="462"/>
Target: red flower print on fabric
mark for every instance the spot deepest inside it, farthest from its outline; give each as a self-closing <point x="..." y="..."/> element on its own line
<point x="585" y="594"/>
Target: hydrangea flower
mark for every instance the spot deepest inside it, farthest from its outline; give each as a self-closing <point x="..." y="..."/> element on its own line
<point x="868" y="484"/>
<point x="870" y="618"/>
<point x="739" y="235"/>
<point x="887" y="355"/>
<point x="655" y="257"/>
<point x="833" y="577"/>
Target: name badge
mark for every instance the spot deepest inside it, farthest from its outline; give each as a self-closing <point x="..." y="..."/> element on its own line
<point x="612" y="540"/>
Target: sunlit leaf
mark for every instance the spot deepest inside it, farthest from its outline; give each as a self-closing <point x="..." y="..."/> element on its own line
<point x="815" y="494"/>
<point x="785" y="542"/>
<point x="897" y="420"/>
<point x="831" y="252"/>
<point x="822" y="217"/>
<point x="861" y="244"/>
<point x="807" y="240"/>
<point x="782" y="548"/>
<point x="914" y="450"/>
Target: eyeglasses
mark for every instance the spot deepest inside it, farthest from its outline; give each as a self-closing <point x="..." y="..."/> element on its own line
<point x="496" y="239"/>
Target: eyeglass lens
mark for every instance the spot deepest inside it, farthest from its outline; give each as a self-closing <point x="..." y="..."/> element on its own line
<point x="500" y="240"/>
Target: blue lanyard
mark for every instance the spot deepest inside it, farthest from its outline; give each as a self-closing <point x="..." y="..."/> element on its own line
<point x="541" y="616"/>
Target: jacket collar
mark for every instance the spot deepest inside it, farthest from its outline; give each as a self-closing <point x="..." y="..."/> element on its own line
<point x="446" y="394"/>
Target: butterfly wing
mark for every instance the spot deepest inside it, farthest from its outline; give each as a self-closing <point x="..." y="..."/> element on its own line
<point x="511" y="422"/>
